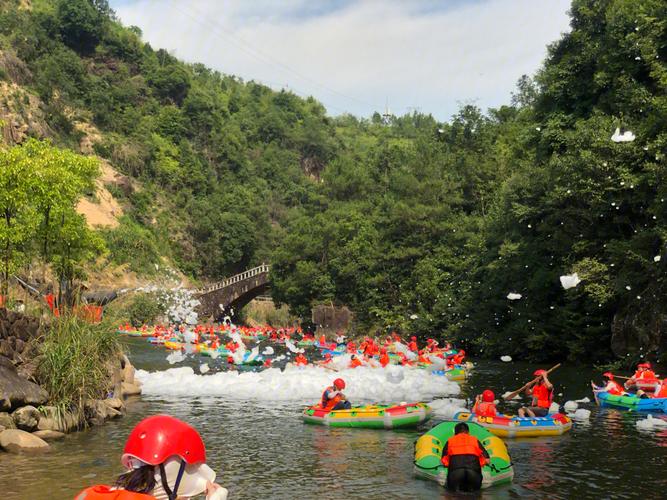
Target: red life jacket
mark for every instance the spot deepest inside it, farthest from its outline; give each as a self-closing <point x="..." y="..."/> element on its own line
<point x="104" y="492"/>
<point x="355" y="362"/>
<point x="327" y="403"/>
<point x="463" y="444"/>
<point x="542" y="395"/>
<point x="384" y="360"/>
<point x="485" y="409"/>
<point x="413" y="346"/>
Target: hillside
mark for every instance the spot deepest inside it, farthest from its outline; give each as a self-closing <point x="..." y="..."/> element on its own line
<point x="418" y="226"/>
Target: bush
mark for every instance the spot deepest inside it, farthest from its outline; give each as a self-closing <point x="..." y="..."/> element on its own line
<point x="74" y="366"/>
<point x="145" y="308"/>
<point x="132" y="244"/>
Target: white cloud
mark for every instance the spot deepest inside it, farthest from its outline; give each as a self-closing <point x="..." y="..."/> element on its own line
<point x="353" y="57"/>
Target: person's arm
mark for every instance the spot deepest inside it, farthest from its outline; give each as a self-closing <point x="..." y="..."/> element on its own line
<point x="485" y="453"/>
<point x="547" y="383"/>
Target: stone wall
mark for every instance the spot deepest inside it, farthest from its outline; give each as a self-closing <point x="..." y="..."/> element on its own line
<point x="332" y="318"/>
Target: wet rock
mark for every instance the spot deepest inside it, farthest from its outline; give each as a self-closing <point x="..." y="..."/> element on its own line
<point x="49" y="435"/>
<point x="26" y="418"/>
<point x="98" y="412"/>
<point x="52" y="420"/>
<point x="128" y="371"/>
<point x="16" y="391"/>
<point x="17" y="441"/>
<point x="7" y="421"/>
<point x="115" y="403"/>
<point x="130" y="389"/>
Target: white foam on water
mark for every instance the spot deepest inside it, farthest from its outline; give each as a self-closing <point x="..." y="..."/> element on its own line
<point x="651" y="423"/>
<point x="302" y="384"/>
<point x="506" y="359"/>
<point x="581" y="414"/>
<point x="203" y="368"/>
<point x="570" y="406"/>
<point x="448" y="407"/>
<point x="268" y="351"/>
<point x="584" y="400"/>
<point x="554" y="408"/>
<point x="175" y="357"/>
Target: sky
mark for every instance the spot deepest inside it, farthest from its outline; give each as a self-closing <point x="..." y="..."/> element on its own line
<point x="361" y="56"/>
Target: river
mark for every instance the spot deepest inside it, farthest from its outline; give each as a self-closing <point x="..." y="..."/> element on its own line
<point x="261" y="449"/>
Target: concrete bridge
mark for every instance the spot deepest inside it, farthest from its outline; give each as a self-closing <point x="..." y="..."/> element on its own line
<point x="233" y="292"/>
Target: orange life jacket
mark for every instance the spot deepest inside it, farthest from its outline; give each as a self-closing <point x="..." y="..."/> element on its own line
<point x="327" y="403"/>
<point x="355" y="362"/>
<point x="463" y="444"/>
<point x="542" y="395"/>
<point x="614" y="388"/>
<point x="662" y="393"/>
<point x="413" y="346"/>
<point x="485" y="409"/>
<point x="647" y="375"/>
<point x="104" y="492"/>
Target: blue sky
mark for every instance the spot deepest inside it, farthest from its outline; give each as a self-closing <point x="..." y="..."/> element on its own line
<point x="356" y="56"/>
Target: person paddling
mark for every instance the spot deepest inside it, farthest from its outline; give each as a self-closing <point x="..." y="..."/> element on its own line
<point x="612" y="386"/>
<point x="164" y="458"/>
<point x="485" y="404"/>
<point x="464" y="456"/>
<point x="332" y="397"/>
<point x="542" y="393"/>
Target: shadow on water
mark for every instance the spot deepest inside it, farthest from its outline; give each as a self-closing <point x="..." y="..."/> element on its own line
<point x="263" y="450"/>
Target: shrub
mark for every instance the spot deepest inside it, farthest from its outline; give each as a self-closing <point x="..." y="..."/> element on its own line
<point x="145" y="308"/>
<point x="74" y="366"/>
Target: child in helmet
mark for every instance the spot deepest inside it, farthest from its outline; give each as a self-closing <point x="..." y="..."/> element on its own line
<point x="485" y="404"/>
<point x="333" y="398"/>
<point x="165" y="459"/>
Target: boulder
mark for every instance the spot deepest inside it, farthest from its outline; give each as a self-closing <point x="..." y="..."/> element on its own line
<point x="130" y="389"/>
<point x="17" y="441"/>
<point x="16" y="391"/>
<point x="26" y="418"/>
<point x="98" y="412"/>
<point x="128" y="371"/>
<point x="49" y="435"/>
<point x="51" y="420"/>
<point x="7" y="421"/>
<point x="115" y="403"/>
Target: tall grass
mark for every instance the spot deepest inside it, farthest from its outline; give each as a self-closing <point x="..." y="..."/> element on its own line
<point x="75" y="360"/>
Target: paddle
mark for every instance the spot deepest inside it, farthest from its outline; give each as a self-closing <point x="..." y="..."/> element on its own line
<point x="532" y="382"/>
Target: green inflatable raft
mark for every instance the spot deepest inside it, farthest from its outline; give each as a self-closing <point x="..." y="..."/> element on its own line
<point x="428" y="452"/>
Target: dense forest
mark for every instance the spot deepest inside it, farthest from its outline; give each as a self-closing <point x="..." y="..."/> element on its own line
<point x="458" y="230"/>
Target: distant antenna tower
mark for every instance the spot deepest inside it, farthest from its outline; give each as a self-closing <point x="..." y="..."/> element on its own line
<point x="386" y="117"/>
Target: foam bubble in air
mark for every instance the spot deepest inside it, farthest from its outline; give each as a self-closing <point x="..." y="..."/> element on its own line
<point x="303" y="384"/>
<point x="506" y="359"/>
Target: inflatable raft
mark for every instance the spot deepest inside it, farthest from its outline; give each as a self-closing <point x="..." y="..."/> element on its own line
<point x="428" y="452"/>
<point x="516" y="427"/>
<point x="631" y="403"/>
<point x="370" y="416"/>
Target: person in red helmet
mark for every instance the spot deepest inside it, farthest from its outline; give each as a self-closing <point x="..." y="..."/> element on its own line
<point x="612" y="386"/>
<point x="165" y="459"/>
<point x="332" y="397"/>
<point x="484" y="404"/>
<point x="413" y="344"/>
<point x="542" y="393"/>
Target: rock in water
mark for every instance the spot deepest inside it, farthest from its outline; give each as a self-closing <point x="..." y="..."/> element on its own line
<point x="49" y="435"/>
<point x="17" y="441"/>
<point x="7" y="421"/>
<point x="26" y="418"/>
<point x="16" y="391"/>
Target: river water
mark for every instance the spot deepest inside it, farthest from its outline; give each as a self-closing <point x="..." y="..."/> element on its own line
<point x="261" y="449"/>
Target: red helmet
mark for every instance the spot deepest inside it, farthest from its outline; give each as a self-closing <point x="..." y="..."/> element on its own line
<point x="327" y="355"/>
<point x="156" y="438"/>
<point x="644" y="365"/>
<point x="462" y="352"/>
<point x="413" y="338"/>
<point x="488" y="396"/>
<point x="539" y="372"/>
<point x="609" y="375"/>
<point x="383" y="351"/>
<point x="339" y="383"/>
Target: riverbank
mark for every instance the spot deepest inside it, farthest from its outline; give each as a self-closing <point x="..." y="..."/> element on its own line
<point x="58" y="378"/>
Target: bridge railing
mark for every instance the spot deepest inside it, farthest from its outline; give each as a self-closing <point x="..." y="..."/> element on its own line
<point x="250" y="273"/>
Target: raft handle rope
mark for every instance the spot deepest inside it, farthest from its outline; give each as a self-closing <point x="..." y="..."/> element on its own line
<point x="173" y="495"/>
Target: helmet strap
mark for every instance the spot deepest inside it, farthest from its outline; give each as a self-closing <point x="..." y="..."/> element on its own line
<point x="165" y="485"/>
